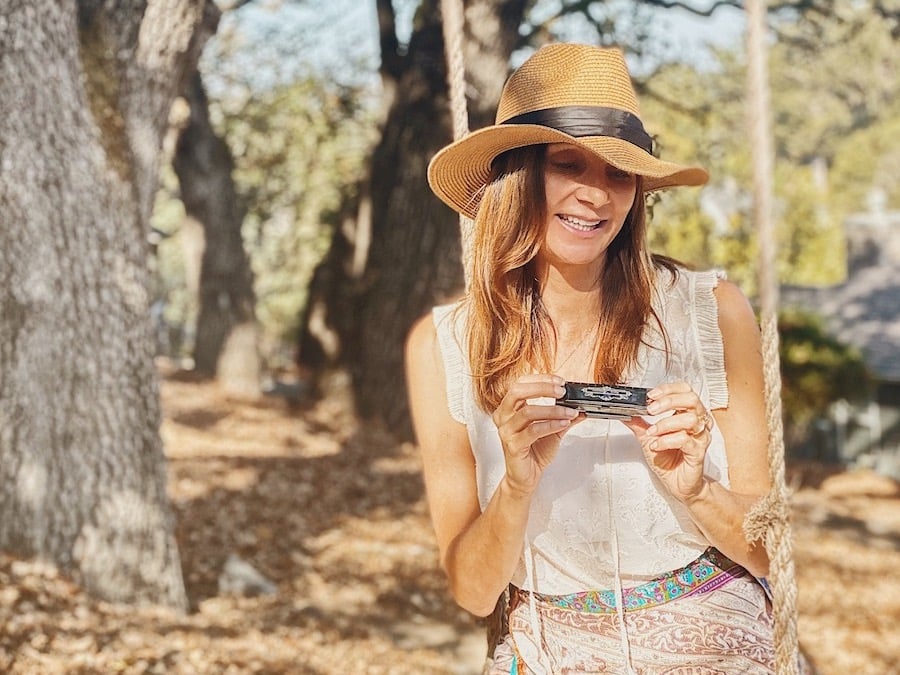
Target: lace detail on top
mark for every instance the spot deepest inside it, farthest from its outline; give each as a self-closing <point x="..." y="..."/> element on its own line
<point x="570" y="527"/>
<point x="456" y="364"/>
<point x="708" y="336"/>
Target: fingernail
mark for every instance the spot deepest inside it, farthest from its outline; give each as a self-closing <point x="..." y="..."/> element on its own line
<point x="571" y="412"/>
<point x="651" y="431"/>
<point x="653" y="444"/>
<point x="653" y="408"/>
<point x="653" y="393"/>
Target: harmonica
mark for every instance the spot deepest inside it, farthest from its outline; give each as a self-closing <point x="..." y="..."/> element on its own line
<point x="606" y="401"/>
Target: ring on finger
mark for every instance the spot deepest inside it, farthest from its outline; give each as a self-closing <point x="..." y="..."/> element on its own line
<point x="704" y="424"/>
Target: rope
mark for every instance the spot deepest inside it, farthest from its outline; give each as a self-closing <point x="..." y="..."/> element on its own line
<point x="453" y="15"/>
<point x="453" y="25"/>
<point x="769" y="520"/>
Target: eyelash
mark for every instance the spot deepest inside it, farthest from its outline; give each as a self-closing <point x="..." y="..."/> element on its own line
<point x="614" y="174"/>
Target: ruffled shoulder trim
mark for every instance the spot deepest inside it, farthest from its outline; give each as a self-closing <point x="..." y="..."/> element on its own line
<point x="709" y="335"/>
<point x="449" y="322"/>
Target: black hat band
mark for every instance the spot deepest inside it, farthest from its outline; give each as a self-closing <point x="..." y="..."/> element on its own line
<point x="588" y="120"/>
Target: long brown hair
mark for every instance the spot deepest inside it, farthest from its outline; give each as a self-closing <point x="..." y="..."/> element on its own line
<point x="509" y="332"/>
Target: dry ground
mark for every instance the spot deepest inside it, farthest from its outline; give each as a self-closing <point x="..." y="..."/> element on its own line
<point x="332" y="512"/>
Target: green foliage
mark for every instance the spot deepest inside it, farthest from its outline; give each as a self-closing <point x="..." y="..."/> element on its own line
<point x="811" y="242"/>
<point x="300" y="126"/>
<point x="299" y="154"/>
<point x="694" y="116"/>
<point x="836" y="111"/>
<point x="833" y="73"/>
<point x="300" y="133"/>
<point x="679" y="228"/>
<point x="868" y="158"/>
<point x="816" y="370"/>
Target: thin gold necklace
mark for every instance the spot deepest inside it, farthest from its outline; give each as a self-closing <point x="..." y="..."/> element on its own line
<point x="578" y="346"/>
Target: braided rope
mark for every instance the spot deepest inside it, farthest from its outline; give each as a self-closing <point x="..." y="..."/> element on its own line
<point x="453" y="15"/>
<point x="770" y="518"/>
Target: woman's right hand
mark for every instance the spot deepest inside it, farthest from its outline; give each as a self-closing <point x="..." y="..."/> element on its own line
<point x="531" y="433"/>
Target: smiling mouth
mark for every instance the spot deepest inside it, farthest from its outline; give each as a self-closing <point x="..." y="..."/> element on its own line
<point x="580" y="225"/>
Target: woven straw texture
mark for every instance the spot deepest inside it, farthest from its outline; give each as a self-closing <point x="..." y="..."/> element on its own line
<point x="555" y="76"/>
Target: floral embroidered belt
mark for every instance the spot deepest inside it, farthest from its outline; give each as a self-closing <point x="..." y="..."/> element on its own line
<point x="708" y="572"/>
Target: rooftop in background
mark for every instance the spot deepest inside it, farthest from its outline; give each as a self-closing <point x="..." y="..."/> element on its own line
<point x="864" y="311"/>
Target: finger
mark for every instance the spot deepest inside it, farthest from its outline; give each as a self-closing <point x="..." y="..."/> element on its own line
<point x="538" y="430"/>
<point x="680" y="441"/>
<point x="703" y="426"/>
<point x="530" y="414"/>
<point x="674" y="401"/>
<point x="638" y="425"/>
<point x="524" y="389"/>
<point x="522" y="443"/>
<point x="533" y="386"/>
<point x="668" y="388"/>
<point x="689" y="421"/>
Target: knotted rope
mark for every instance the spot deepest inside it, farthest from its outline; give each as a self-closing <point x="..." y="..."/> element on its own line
<point x="769" y="520"/>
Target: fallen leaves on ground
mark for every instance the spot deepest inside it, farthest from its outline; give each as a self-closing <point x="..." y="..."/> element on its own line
<point x="331" y="510"/>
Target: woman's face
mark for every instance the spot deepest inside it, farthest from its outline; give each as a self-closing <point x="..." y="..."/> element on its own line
<point x="587" y="203"/>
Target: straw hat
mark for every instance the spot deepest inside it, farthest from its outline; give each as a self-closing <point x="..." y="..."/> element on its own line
<point x="564" y="93"/>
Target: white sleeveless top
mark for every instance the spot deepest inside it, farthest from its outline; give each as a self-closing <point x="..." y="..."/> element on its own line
<point x="599" y="516"/>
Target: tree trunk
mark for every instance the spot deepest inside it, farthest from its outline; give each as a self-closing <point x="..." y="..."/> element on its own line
<point x="86" y="89"/>
<point x="226" y="331"/>
<point x="414" y="252"/>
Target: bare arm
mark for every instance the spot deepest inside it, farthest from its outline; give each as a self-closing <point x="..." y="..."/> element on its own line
<point x="719" y="512"/>
<point x="676" y="455"/>
<point x="479" y="551"/>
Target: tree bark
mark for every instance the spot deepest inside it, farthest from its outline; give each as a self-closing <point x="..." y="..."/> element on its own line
<point x="226" y="344"/>
<point x="86" y="89"/>
<point x="413" y="257"/>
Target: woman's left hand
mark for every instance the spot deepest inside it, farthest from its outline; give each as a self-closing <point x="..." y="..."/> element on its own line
<point x="675" y="446"/>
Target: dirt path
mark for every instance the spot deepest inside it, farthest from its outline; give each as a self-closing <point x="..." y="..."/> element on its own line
<point x="333" y="514"/>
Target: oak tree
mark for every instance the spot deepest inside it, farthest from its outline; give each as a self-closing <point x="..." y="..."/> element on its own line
<point x="85" y="92"/>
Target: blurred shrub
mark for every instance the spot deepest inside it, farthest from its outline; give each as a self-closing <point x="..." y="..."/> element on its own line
<point x="816" y="371"/>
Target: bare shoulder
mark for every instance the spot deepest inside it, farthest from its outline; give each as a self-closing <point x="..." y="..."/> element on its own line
<point x="425" y="376"/>
<point x="422" y="332"/>
<point x="422" y="347"/>
<point x="737" y="321"/>
<point x="734" y="307"/>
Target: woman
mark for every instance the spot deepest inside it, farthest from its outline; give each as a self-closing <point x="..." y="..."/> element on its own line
<point x="620" y="540"/>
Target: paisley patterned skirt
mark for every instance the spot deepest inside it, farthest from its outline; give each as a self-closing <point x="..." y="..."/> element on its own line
<point x="709" y="617"/>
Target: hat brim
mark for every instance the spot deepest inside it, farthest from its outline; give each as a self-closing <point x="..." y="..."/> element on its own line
<point x="458" y="172"/>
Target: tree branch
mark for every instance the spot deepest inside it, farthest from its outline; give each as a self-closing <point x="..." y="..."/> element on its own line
<point x="688" y="7"/>
<point x="232" y="5"/>
<point x="387" y="39"/>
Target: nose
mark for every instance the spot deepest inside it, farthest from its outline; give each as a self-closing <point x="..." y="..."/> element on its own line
<point x="593" y="191"/>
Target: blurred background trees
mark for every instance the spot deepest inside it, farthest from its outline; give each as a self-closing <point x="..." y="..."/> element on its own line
<point x="293" y="234"/>
<point x="349" y="249"/>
